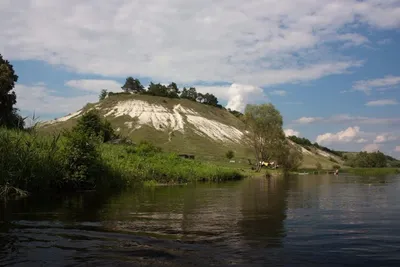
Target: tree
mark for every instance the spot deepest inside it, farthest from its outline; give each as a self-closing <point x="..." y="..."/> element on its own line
<point x="8" y="98"/>
<point x="172" y="90"/>
<point x="289" y="157"/>
<point x="192" y="94"/>
<point x="133" y="86"/>
<point x="103" y="94"/>
<point x="230" y="154"/>
<point x="157" y="90"/>
<point x="91" y="124"/>
<point x="264" y="127"/>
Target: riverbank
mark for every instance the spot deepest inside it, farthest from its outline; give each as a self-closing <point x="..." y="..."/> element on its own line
<point x="355" y="171"/>
<point x="73" y="161"/>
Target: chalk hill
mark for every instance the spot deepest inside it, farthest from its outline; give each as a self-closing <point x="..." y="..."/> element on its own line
<point x="178" y="125"/>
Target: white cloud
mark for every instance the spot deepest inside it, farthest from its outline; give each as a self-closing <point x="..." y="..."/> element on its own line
<point x="345" y="136"/>
<point x="43" y="102"/>
<point x="279" y="92"/>
<point x="237" y="95"/>
<point x="291" y="132"/>
<point x="367" y="86"/>
<point x="386" y="137"/>
<point x="307" y="120"/>
<point x="361" y="140"/>
<point x="382" y="102"/>
<point x="245" y="42"/>
<point x="371" y="148"/>
<point x="347" y="119"/>
<point x="353" y="39"/>
<point x="397" y="149"/>
<point x="95" y="85"/>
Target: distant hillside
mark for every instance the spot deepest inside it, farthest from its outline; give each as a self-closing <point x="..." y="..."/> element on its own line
<point x="180" y="125"/>
<point x="352" y="159"/>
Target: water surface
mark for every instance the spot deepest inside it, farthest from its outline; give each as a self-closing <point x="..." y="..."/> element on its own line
<point x="298" y="221"/>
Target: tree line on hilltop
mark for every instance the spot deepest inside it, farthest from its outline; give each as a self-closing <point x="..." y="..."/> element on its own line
<point x="134" y="86"/>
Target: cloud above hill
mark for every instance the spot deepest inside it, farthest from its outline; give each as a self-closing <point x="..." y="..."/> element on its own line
<point x="243" y="42"/>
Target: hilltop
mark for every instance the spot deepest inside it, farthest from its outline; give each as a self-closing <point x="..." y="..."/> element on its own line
<point x="180" y="125"/>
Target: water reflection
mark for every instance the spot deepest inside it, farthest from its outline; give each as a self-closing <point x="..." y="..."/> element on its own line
<point x="263" y="210"/>
<point x="307" y="220"/>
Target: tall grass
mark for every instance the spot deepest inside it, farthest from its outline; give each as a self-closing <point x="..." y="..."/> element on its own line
<point x="132" y="165"/>
<point x="75" y="161"/>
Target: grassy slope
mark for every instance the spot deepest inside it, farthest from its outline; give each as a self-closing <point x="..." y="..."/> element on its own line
<point x="204" y="148"/>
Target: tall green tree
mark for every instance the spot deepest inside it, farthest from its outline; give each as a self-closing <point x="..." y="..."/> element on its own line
<point x="173" y="90"/>
<point x="8" y="114"/>
<point x="133" y="86"/>
<point x="157" y="89"/>
<point x="264" y="125"/>
<point x="103" y="94"/>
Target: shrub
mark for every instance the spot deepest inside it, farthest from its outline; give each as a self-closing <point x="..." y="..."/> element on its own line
<point x="230" y="154"/>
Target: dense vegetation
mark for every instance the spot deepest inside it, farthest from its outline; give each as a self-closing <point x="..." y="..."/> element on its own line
<point x="79" y="159"/>
<point x="367" y="160"/>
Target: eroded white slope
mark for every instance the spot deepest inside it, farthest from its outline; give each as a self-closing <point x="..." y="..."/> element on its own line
<point x="176" y="119"/>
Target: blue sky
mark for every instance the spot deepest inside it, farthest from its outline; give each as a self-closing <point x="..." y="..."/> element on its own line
<point x="331" y="67"/>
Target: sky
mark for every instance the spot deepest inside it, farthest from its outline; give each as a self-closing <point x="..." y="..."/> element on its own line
<point x="332" y="68"/>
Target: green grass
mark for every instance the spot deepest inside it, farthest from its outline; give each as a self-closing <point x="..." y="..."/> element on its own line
<point x="162" y="167"/>
<point x="37" y="163"/>
<point x="372" y="171"/>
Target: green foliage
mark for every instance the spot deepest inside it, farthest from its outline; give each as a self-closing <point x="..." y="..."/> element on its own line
<point x="373" y="171"/>
<point x="208" y="99"/>
<point x="236" y="113"/>
<point x="103" y="94"/>
<point x="90" y="123"/>
<point x="368" y="160"/>
<point x="8" y="114"/>
<point x="144" y="148"/>
<point x="161" y="167"/>
<point x="289" y="157"/>
<point x="172" y="90"/>
<point x="132" y="86"/>
<point x="230" y="154"/>
<point x="300" y="140"/>
<point x="333" y="160"/>
<point x="81" y="159"/>
<point x="190" y="93"/>
<point x="264" y="123"/>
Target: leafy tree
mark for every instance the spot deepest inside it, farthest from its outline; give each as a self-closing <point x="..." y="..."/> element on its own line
<point x="190" y="93"/>
<point x="91" y="124"/>
<point x="368" y="160"/>
<point x="8" y="114"/>
<point x="157" y="90"/>
<point x="230" y="154"/>
<point x="289" y="157"/>
<point x="133" y="86"/>
<point x="172" y="90"/>
<point x="264" y="125"/>
<point x="103" y="94"/>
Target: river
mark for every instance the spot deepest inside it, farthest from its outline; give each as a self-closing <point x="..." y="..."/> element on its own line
<point x="298" y="221"/>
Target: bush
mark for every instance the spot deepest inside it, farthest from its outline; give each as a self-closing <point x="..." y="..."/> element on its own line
<point x="230" y="154"/>
<point x="81" y="159"/>
<point x="90" y="123"/>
